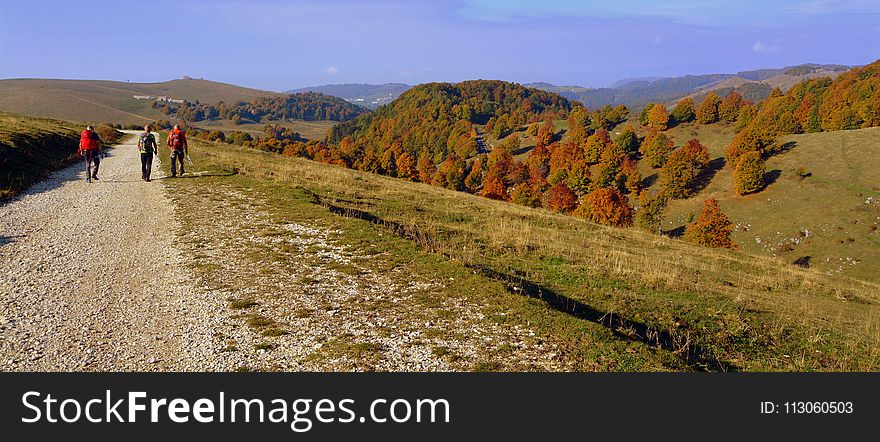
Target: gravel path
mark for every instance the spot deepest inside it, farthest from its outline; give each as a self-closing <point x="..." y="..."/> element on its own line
<point x="90" y="277"/>
<point x="124" y="275"/>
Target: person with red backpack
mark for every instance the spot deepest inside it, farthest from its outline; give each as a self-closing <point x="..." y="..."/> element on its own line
<point x="179" y="149"/>
<point x="91" y="149"/>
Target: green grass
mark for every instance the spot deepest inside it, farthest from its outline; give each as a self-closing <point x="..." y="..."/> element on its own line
<point x="609" y="299"/>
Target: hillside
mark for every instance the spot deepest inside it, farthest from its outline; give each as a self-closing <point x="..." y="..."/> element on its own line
<point x="676" y="306"/>
<point x="635" y="93"/>
<point x="110" y="101"/>
<point x="370" y="96"/>
<point x="438" y="119"/>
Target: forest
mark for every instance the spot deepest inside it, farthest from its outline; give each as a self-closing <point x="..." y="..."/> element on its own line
<point x="306" y="106"/>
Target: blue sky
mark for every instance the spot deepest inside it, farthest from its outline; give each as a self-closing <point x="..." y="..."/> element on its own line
<point x="278" y="45"/>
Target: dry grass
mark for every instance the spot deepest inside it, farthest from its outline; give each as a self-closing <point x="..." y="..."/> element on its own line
<point x="802" y="309"/>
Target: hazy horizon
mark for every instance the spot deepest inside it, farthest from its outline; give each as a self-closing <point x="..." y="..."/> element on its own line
<point x="277" y="45"/>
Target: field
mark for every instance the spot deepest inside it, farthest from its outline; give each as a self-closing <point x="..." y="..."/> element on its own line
<point x="110" y="101"/>
<point x="312" y="130"/>
<point x="609" y="299"/>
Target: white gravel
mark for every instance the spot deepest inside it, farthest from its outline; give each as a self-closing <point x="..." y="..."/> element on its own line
<point x="91" y="279"/>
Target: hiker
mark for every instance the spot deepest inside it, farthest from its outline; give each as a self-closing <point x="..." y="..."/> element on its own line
<point x="91" y="149"/>
<point x="179" y="149"/>
<point x="147" y="147"/>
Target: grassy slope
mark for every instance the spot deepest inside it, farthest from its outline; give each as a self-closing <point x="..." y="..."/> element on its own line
<point x="831" y="204"/>
<point x="592" y="289"/>
<point x="844" y="231"/>
<point x="313" y="130"/>
<point x="30" y="148"/>
<point x="109" y="101"/>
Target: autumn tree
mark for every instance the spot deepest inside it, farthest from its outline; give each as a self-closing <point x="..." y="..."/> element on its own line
<point x="628" y="141"/>
<point x="545" y="134"/>
<point x="608" y="172"/>
<point x="596" y="144"/>
<point x="683" y="112"/>
<point x="474" y="179"/>
<point x="644" y="115"/>
<point x="406" y="167"/>
<point x="728" y="110"/>
<point x="712" y="227"/>
<point x="632" y="179"/>
<point x="538" y="164"/>
<point x="678" y="177"/>
<point x="652" y="206"/>
<point x="658" y="117"/>
<point x="561" y="199"/>
<point x="493" y="187"/>
<point x="748" y="176"/>
<point x="606" y="206"/>
<point x="708" y="111"/>
<point x="425" y="167"/>
<point x="526" y="195"/>
<point x="656" y="147"/>
<point x="754" y="138"/>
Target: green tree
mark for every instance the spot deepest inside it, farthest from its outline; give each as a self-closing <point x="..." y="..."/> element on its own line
<point x="683" y="112"/>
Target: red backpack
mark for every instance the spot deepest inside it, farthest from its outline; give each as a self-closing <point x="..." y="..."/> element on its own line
<point x="87" y="140"/>
<point x="176" y="138"/>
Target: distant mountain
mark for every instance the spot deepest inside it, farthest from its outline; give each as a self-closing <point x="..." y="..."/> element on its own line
<point x="370" y="96"/>
<point x="111" y="101"/>
<point x="635" y="93"/>
<point x="626" y="81"/>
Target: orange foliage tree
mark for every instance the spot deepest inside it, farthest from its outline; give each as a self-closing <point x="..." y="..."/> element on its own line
<point x="679" y="175"/>
<point x="712" y="228"/>
<point x="606" y="206"/>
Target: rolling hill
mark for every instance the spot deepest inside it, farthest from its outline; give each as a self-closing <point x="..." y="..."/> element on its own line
<point x="111" y="101"/>
<point x="635" y="93"/>
<point x="370" y="96"/>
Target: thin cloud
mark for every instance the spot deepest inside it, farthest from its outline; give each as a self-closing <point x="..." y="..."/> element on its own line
<point x="332" y="70"/>
<point x="765" y="48"/>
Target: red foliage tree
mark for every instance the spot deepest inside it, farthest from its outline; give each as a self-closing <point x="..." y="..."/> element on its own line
<point x="561" y="199"/>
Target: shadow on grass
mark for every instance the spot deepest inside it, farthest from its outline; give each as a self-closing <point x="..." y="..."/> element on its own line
<point x="679" y="344"/>
<point x="771" y="177"/>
